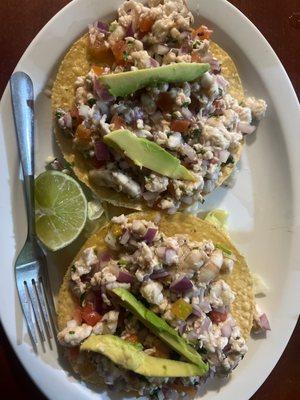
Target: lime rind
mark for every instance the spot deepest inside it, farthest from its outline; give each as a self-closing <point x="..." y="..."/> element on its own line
<point x="61" y="209"/>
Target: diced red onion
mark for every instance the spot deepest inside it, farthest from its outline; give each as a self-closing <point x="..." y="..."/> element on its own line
<point x="205" y="306"/>
<point x="161" y="251"/>
<point x="223" y="156"/>
<point x="215" y="66"/>
<point x="221" y="82"/>
<point x="184" y="49"/>
<point x="181" y="285"/>
<point x="186" y="113"/>
<point x="207" y="58"/>
<point x="105" y="256"/>
<point x="197" y="311"/>
<point x="264" y="322"/>
<point x="101" y="91"/>
<point x="138" y="113"/>
<point x="189" y="152"/>
<point x="101" y="151"/>
<point x="129" y="31"/>
<point x="154" y="63"/>
<point x="246" y="128"/>
<point x="150" y="235"/>
<point x="205" y="325"/>
<point x="214" y="63"/>
<point x="182" y="327"/>
<point x="125" y="277"/>
<point x="162" y="273"/>
<point x="102" y="26"/>
<point x="226" y="329"/>
<point x="125" y="237"/>
<point x="67" y="119"/>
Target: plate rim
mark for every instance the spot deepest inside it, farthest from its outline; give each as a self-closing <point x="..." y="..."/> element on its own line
<point x="293" y="96"/>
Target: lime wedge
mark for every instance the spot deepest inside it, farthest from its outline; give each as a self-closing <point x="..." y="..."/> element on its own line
<point x="61" y="209"/>
<point x="218" y="218"/>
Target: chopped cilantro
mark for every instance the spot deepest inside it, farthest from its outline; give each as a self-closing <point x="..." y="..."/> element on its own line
<point x="58" y="114"/>
<point x="81" y="300"/>
<point x="196" y="133"/>
<point x="91" y="102"/>
<point x="223" y="248"/>
<point x="196" y="44"/>
<point x="186" y="104"/>
<point x="71" y="332"/>
<point x="125" y="55"/>
<point x="73" y="268"/>
<point x="122" y="261"/>
<point x="112" y="27"/>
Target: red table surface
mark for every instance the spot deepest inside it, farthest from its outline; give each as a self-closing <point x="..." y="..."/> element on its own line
<point x="279" y="21"/>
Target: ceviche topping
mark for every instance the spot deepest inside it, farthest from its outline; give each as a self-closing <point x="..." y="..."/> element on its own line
<point x="194" y="119"/>
<point x="165" y="294"/>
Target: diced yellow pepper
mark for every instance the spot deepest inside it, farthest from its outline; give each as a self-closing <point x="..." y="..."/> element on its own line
<point x="116" y="230"/>
<point x="181" y="309"/>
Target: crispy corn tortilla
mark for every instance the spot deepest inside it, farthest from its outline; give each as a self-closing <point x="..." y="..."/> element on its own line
<point x="240" y="280"/>
<point x="77" y="63"/>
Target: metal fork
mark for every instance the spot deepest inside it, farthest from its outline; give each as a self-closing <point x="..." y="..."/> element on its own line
<point x="30" y="267"/>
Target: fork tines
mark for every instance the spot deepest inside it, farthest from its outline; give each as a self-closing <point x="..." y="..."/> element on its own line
<point x="33" y="298"/>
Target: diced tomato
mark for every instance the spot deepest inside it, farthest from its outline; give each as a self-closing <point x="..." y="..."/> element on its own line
<point x="77" y="315"/>
<point x="76" y="118"/>
<point x="132" y="338"/>
<point x="117" y="121"/>
<point x="195" y="57"/>
<point x="98" y="70"/>
<point x="90" y="316"/>
<point x="180" y="125"/>
<point x="145" y="24"/>
<point x="118" y="49"/>
<point x="217" y="316"/>
<point x="101" y="53"/>
<point x="165" y="102"/>
<point x="202" y="33"/>
<point x="82" y="133"/>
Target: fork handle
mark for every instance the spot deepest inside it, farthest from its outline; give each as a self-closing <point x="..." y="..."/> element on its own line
<point x="22" y="102"/>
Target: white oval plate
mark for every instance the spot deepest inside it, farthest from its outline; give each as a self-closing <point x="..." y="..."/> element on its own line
<point x="263" y="205"/>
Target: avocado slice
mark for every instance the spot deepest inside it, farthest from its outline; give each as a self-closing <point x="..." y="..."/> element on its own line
<point x="124" y="83"/>
<point x="128" y="356"/>
<point x="145" y="153"/>
<point x="160" y="328"/>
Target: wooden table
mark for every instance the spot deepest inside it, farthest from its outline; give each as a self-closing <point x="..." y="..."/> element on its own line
<point x="279" y="21"/>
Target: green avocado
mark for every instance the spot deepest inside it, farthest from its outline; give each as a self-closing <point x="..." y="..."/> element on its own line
<point x="124" y="83"/>
<point x="145" y="153"/>
<point x="160" y="328"/>
<point x="128" y="356"/>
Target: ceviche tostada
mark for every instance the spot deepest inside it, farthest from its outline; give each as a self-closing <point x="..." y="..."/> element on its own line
<point x="156" y="304"/>
<point x="149" y="111"/>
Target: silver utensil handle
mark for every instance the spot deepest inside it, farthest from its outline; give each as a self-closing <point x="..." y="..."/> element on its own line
<point x="22" y="102"/>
